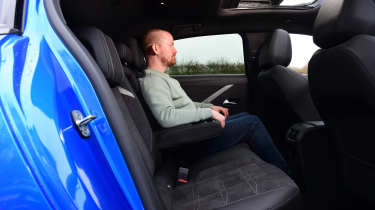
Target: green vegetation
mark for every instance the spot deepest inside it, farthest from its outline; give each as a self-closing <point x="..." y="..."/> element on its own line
<point x="218" y="67"/>
<point x="302" y="70"/>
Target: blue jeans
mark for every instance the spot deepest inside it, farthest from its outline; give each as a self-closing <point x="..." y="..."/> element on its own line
<point x="245" y="127"/>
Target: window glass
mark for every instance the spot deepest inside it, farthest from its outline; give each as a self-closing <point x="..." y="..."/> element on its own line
<point x="296" y="2"/>
<point x="259" y="4"/>
<point x="6" y="17"/>
<point x="218" y="54"/>
<point x="7" y="10"/>
<point x="303" y="48"/>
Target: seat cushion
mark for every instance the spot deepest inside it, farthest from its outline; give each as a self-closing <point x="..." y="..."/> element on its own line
<point x="235" y="179"/>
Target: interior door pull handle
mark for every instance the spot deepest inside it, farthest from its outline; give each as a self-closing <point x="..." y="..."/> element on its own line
<point x="227" y="102"/>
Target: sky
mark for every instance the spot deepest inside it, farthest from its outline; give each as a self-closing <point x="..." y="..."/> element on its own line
<point x="210" y="48"/>
<point x="229" y="47"/>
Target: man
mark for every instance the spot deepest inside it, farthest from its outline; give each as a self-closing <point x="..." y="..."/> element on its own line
<point x="171" y="106"/>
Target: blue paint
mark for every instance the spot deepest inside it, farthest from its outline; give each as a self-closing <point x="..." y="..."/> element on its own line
<point x="20" y="49"/>
<point x="56" y="168"/>
<point x="18" y="189"/>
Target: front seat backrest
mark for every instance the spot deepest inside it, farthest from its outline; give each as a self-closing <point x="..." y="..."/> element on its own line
<point x="285" y="97"/>
<point x="279" y="81"/>
<point x="342" y="84"/>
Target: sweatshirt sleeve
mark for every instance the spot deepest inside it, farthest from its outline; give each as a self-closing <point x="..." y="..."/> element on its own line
<point x="202" y="105"/>
<point x="158" y="97"/>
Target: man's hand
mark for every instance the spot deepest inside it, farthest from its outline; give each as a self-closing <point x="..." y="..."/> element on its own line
<point x="220" y="109"/>
<point x="217" y="116"/>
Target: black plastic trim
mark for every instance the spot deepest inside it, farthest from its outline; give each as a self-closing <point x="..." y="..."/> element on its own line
<point x="19" y="19"/>
<point x="142" y="178"/>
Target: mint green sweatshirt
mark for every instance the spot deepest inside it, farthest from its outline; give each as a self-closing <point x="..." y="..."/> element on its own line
<point x="169" y="103"/>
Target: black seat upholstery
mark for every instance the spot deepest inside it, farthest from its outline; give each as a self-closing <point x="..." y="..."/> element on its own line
<point x="342" y="84"/>
<point x="285" y="94"/>
<point x="232" y="179"/>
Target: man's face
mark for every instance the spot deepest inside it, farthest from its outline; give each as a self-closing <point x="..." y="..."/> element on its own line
<point x="167" y="50"/>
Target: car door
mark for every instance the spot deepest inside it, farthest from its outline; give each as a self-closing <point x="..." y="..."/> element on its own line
<point x="56" y="146"/>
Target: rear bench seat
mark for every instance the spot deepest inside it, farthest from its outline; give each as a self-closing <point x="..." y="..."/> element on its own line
<point x="232" y="179"/>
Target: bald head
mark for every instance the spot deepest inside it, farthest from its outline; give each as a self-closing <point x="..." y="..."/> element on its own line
<point x="154" y="36"/>
<point x="158" y="46"/>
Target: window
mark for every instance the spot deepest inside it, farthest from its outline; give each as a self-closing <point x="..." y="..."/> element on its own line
<point x="260" y="4"/>
<point x="218" y="54"/>
<point x="303" y="48"/>
<point x="296" y="2"/>
<point x="6" y="17"/>
<point x="10" y="21"/>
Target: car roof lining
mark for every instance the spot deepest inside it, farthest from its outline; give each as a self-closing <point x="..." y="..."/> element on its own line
<point x="132" y="18"/>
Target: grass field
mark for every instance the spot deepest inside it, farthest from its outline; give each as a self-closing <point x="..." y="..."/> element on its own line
<point x="218" y="67"/>
<point x="302" y="70"/>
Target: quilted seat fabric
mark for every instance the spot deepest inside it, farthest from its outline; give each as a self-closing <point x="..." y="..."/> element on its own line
<point x="230" y="177"/>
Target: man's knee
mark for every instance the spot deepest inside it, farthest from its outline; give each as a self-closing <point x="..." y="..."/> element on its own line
<point x="253" y="118"/>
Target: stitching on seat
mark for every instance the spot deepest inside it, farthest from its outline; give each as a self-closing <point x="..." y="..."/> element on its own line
<point x="286" y="201"/>
<point x="222" y="189"/>
<point x="255" y="190"/>
<point x="245" y="198"/>
<point x="105" y="49"/>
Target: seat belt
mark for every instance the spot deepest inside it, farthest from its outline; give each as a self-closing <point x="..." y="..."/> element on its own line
<point x="217" y="93"/>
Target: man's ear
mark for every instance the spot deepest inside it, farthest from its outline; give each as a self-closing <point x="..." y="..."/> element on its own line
<point x="155" y="49"/>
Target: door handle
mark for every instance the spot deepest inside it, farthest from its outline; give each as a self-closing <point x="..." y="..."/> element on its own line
<point x="227" y="102"/>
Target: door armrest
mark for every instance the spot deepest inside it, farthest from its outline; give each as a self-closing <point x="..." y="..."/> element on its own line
<point x="188" y="134"/>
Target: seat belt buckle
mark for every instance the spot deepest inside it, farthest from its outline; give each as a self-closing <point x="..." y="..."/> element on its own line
<point x="183" y="175"/>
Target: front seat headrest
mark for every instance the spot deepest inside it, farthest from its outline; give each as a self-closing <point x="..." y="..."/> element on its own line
<point x="277" y="50"/>
<point x="340" y="20"/>
<point x="102" y="48"/>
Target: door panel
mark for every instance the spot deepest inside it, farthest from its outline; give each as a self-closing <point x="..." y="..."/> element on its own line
<point x="199" y="87"/>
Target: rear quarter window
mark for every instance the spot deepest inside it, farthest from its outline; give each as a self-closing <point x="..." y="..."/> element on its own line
<point x="303" y="48"/>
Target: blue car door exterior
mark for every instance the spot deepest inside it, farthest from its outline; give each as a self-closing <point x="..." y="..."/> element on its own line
<point x="45" y="162"/>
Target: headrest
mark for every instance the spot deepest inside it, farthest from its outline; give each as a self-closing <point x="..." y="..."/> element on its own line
<point x="277" y="50"/>
<point x="102" y="48"/>
<point x="340" y="20"/>
<point x="131" y="55"/>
